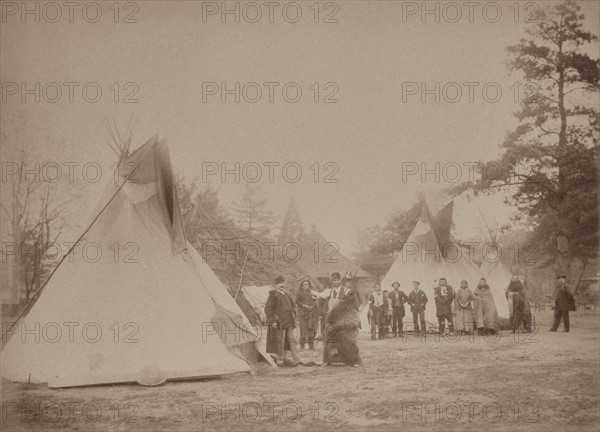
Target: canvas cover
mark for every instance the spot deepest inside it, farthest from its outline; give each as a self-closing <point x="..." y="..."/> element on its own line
<point x="133" y="302"/>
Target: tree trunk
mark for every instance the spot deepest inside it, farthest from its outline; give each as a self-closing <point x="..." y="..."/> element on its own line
<point x="17" y="269"/>
<point x="578" y="274"/>
<point x="563" y="252"/>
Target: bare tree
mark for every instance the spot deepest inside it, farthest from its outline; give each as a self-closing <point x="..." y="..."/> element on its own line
<point x="31" y="207"/>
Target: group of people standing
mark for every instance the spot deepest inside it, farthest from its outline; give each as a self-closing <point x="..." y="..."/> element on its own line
<point x="462" y="310"/>
<point x="336" y="314"/>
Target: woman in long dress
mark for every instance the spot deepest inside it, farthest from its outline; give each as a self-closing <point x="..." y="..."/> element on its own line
<point x="463" y="308"/>
<point x="486" y="314"/>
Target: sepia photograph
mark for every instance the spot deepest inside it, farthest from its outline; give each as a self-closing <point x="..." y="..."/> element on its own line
<point x="309" y="215"/>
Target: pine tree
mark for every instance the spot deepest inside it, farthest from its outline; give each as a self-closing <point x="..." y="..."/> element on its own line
<point x="292" y="229"/>
<point x="251" y="212"/>
<point x="556" y="139"/>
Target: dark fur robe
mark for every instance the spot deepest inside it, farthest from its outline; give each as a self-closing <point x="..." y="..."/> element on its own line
<point x="517" y="310"/>
<point x="443" y="304"/>
<point x="343" y="323"/>
<point x="520" y="314"/>
<point x="486" y="315"/>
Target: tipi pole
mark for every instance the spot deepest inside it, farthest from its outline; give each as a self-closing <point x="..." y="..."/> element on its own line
<point x="241" y="277"/>
<point x="491" y="234"/>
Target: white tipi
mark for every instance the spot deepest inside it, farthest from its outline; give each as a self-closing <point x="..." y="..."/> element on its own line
<point x="139" y="305"/>
<point x="427" y="255"/>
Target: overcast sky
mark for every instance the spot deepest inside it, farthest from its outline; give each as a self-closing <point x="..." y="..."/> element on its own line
<point x="369" y="56"/>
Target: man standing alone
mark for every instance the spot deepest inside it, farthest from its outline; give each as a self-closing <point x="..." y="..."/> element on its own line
<point x="417" y="301"/>
<point x="398" y="298"/>
<point x="564" y="302"/>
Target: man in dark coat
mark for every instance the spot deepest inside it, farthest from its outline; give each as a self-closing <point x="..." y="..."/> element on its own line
<point x="417" y="301"/>
<point x="307" y="314"/>
<point x="398" y="298"/>
<point x="564" y="302"/>
<point x="280" y="310"/>
<point x="521" y="311"/>
<point x="444" y="296"/>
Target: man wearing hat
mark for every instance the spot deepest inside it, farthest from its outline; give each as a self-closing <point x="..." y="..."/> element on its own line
<point x="397" y="298"/>
<point x="563" y="303"/>
<point x="280" y="310"/>
<point x="417" y="301"/>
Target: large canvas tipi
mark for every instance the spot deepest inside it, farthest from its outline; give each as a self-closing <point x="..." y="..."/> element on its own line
<point x="144" y="309"/>
<point x="427" y="255"/>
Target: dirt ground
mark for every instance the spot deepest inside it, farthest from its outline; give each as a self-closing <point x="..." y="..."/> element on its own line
<point x="529" y="382"/>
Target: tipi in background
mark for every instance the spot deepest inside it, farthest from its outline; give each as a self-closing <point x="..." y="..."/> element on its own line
<point x="428" y="254"/>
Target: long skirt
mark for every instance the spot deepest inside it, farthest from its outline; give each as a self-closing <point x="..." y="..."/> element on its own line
<point x="276" y="342"/>
<point x="486" y="314"/>
<point x="463" y="320"/>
